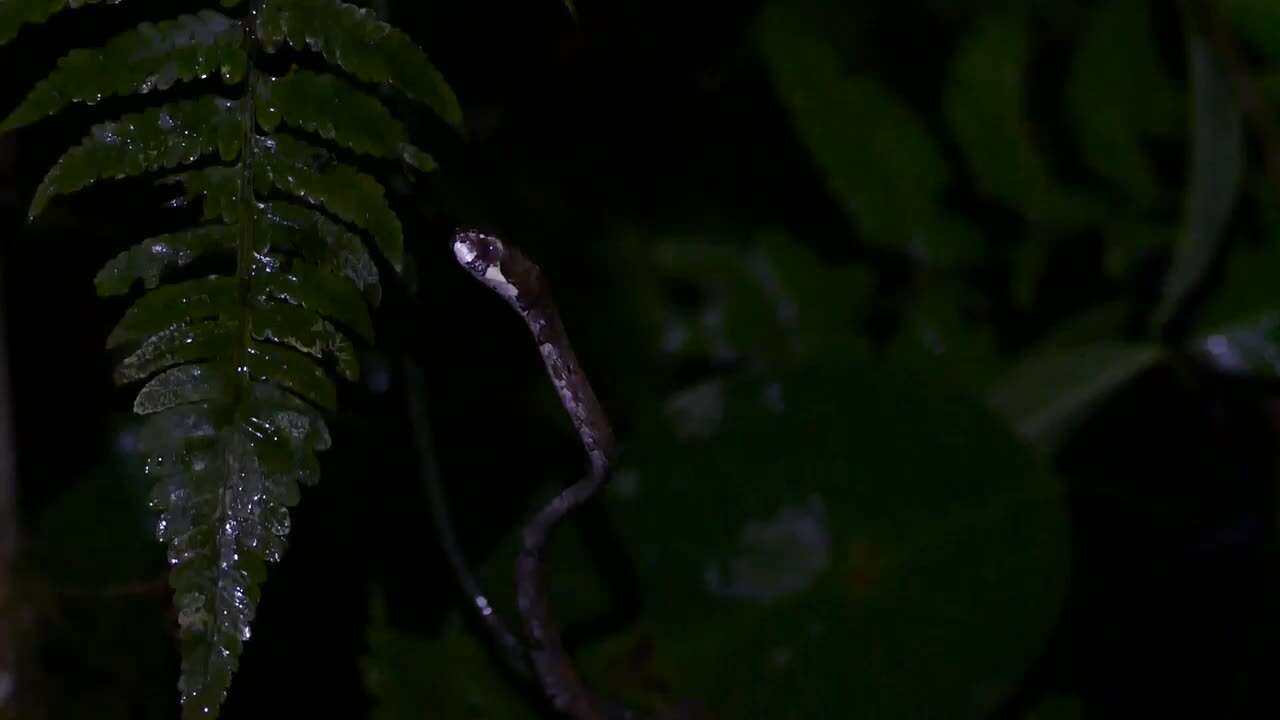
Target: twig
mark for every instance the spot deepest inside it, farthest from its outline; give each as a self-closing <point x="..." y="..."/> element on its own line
<point x="517" y="280"/>
<point x="508" y="645"/>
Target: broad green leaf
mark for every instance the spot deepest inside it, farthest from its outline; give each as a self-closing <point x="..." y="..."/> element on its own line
<point x="161" y="137"/>
<point x="1051" y="392"/>
<point x="357" y="41"/>
<point x="1119" y="94"/>
<point x="150" y="259"/>
<point x="820" y="305"/>
<point x="313" y="175"/>
<point x="151" y="58"/>
<point x="944" y="330"/>
<point x="985" y="101"/>
<point x="868" y="526"/>
<point x="1217" y="166"/>
<point x="337" y="111"/>
<point x="877" y="155"/>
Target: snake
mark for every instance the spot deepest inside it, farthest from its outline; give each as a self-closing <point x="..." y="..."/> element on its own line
<point x="511" y="275"/>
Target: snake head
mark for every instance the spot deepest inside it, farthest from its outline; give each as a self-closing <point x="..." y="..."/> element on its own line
<point x="489" y="261"/>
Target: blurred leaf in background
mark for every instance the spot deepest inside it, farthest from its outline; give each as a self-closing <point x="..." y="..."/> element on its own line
<point x="880" y="161"/>
<point x="888" y="521"/>
<point x="1119" y="98"/>
<point x="986" y="106"/>
<point x="838" y="542"/>
<point x="1217" y="167"/>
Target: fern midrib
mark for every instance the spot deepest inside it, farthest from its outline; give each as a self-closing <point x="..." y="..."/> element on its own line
<point x="241" y="385"/>
<point x="248" y="206"/>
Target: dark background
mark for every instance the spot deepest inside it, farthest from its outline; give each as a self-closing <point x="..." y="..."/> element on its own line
<point x="826" y="264"/>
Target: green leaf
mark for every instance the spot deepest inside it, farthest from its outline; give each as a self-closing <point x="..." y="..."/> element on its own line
<point x="844" y="560"/>
<point x="323" y="293"/>
<point x="217" y="186"/>
<point x="182" y="385"/>
<point x="1119" y="94"/>
<point x="337" y="111"/>
<point x="283" y="225"/>
<point x="293" y="371"/>
<point x="234" y="366"/>
<point x="1217" y="167"/>
<point x="357" y="41"/>
<point x="877" y="155"/>
<point x="943" y="331"/>
<point x="1051" y="392"/>
<point x="985" y="103"/>
<point x="170" y="305"/>
<point x="313" y="175"/>
<point x="151" y="58"/>
<point x="16" y="13"/>
<point x="178" y="345"/>
<point x="298" y="328"/>
<point x="162" y="137"/>
<point x="150" y="259"/>
<point x="225" y="483"/>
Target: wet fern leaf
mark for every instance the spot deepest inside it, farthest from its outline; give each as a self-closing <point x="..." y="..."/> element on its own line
<point x="237" y="368"/>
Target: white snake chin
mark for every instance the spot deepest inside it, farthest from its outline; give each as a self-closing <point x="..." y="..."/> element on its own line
<point x="494" y="278"/>
<point x="464" y="251"/>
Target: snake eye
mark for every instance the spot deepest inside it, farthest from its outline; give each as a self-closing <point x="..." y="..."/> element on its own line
<point x="478" y="252"/>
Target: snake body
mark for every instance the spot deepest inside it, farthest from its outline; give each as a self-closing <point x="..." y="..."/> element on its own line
<point x="518" y="281"/>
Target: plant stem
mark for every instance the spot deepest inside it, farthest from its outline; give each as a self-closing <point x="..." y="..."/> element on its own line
<point x="508" y="645"/>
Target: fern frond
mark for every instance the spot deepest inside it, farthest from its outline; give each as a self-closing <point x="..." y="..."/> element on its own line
<point x="164" y="137"/>
<point x="235" y="366"/>
<point x="153" y="258"/>
<point x="336" y="111"/>
<point x="152" y="57"/>
<point x="354" y="39"/>
<point x="16" y="13"/>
